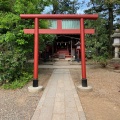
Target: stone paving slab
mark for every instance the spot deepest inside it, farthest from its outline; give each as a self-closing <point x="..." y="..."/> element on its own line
<point x="58" y="66"/>
<point x="60" y="100"/>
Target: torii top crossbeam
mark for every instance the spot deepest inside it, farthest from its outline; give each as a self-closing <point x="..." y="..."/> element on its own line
<point x="59" y="16"/>
<point x="36" y="31"/>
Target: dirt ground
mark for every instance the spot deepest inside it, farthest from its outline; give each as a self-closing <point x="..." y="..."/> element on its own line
<point x="103" y="103"/>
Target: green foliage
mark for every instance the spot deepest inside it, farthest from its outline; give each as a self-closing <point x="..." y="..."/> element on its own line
<point x="18" y="83"/>
<point x="11" y="64"/>
<point x="65" y="6"/>
<point x="46" y="40"/>
<point x="6" y="5"/>
<point x="109" y="11"/>
<point x="112" y="1"/>
<point x="103" y="61"/>
<point x="15" y="46"/>
<point x="98" y="43"/>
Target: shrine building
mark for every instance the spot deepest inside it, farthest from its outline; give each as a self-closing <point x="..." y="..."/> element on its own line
<point x="65" y="46"/>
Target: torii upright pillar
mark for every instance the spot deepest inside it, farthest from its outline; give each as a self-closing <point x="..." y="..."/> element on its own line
<point x="82" y="36"/>
<point x="36" y="51"/>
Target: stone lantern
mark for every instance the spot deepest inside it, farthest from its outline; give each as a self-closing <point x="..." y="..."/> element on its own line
<point x="116" y="44"/>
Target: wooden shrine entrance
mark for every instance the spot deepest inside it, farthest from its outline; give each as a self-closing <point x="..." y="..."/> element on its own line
<point x="59" y="30"/>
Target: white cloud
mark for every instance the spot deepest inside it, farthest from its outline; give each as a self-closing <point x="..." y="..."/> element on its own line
<point x="83" y="7"/>
<point x="47" y="9"/>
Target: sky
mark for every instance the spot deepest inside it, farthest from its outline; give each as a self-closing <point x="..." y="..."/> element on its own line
<point x="80" y="11"/>
<point x="83" y="7"/>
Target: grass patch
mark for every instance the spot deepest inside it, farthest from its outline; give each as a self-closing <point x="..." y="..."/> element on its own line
<point x="19" y="83"/>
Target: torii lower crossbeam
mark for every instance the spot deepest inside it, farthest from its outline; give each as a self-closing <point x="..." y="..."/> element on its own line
<point x="55" y="31"/>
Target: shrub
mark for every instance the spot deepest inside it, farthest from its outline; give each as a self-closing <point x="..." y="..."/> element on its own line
<point x="11" y="65"/>
<point x="18" y="83"/>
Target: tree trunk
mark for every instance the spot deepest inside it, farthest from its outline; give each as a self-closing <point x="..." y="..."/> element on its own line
<point x="110" y="23"/>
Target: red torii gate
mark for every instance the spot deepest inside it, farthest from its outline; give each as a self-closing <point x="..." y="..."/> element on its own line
<point x="36" y="31"/>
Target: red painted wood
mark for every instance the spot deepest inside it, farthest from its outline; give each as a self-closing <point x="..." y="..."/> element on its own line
<point x="59" y="24"/>
<point x="63" y="31"/>
<point x="36" y="48"/>
<point x="82" y="37"/>
<point x="59" y="16"/>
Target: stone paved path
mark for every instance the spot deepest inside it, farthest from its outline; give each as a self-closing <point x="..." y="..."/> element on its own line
<point x="60" y="64"/>
<point x="60" y="100"/>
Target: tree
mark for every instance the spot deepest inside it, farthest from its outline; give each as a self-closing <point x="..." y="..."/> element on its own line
<point x="98" y="43"/>
<point x="65" y="6"/>
<point x="15" y="46"/>
<point x="108" y="10"/>
<point x="6" y="5"/>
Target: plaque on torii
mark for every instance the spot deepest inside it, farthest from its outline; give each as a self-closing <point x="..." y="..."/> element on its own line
<point x="59" y="30"/>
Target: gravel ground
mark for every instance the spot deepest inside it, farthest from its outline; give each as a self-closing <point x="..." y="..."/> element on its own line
<point x="103" y="103"/>
<point x="20" y="104"/>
